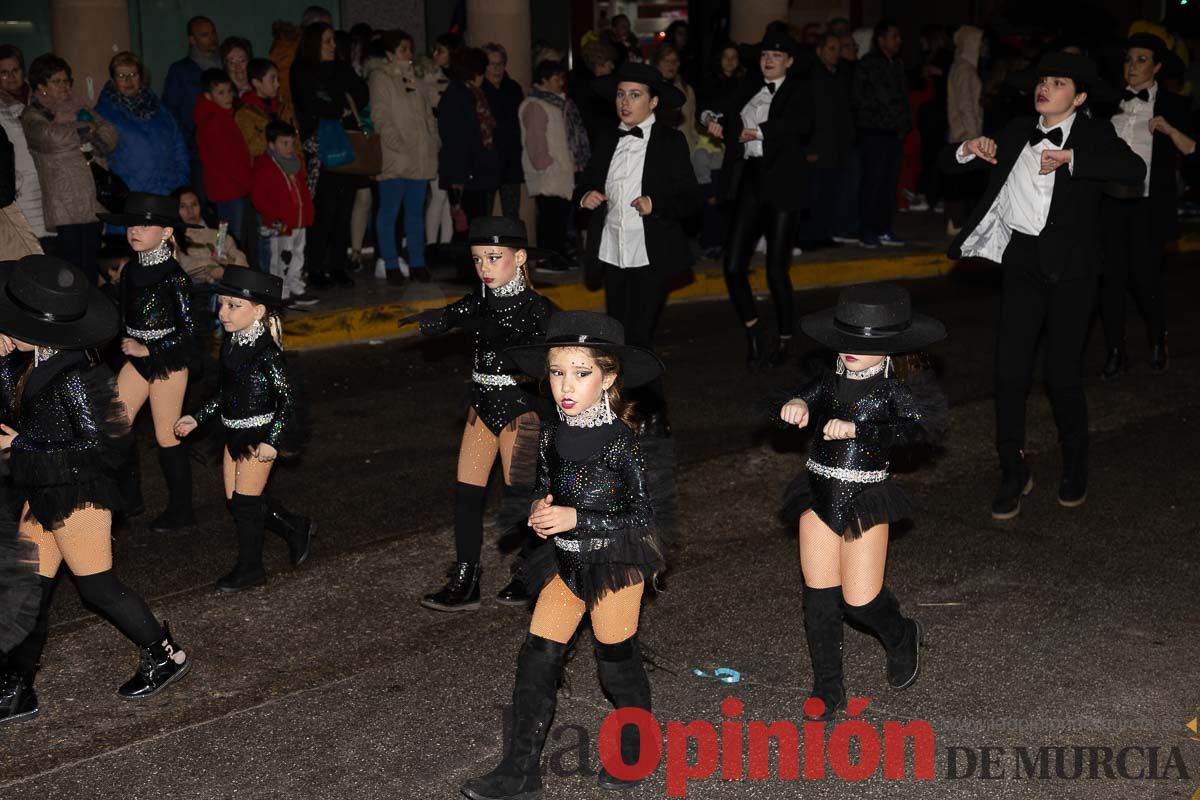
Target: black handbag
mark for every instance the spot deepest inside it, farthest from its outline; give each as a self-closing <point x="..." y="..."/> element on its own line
<point x="111" y="191"/>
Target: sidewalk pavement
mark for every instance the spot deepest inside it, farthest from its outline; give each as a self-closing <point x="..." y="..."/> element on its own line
<point x="373" y="311"/>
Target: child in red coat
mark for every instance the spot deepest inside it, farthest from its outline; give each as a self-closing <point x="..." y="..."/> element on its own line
<point x="283" y="202"/>
<point x="223" y="153"/>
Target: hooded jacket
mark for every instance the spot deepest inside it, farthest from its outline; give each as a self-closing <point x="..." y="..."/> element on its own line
<point x="252" y="118"/>
<point x="404" y="121"/>
<point x="151" y="154"/>
<point x="223" y="152"/>
<point x="964" y="87"/>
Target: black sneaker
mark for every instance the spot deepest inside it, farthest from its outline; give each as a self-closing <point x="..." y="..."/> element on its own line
<point x="1013" y="486"/>
<point x="461" y="592"/>
<point x="1114" y="364"/>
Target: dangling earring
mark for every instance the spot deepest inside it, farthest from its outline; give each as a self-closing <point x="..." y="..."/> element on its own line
<point x="840" y="369"/>
<point x="561" y="416"/>
<point x="887" y="365"/>
<point x="609" y="416"/>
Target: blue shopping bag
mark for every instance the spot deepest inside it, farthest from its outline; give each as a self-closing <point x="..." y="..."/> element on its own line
<point x="333" y="146"/>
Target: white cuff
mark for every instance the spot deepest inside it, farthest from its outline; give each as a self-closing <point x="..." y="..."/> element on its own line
<point x="960" y="157"/>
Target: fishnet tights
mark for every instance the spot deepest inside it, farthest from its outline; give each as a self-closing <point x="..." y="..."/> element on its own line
<point x="558" y="612"/>
<point x="479" y="448"/>
<point x="84" y="541"/>
<point x="857" y="565"/>
<point x="166" y="400"/>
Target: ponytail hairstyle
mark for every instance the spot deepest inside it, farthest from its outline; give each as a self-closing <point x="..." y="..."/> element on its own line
<point x="274" y="322"/>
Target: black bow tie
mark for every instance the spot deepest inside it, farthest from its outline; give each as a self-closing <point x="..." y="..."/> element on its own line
<point x="1055" y="136"/>
<point x="1143" y="95"/>
<point x="635" y="131"/>
<point x="770" y="87"/>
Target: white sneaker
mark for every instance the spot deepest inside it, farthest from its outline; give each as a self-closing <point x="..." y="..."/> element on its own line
<point x="380" y="270"/>
<point x="846" y="239"/>
<point x="951" y="228"/>
<point x="887" y="240"/>
<point x="761" y="247"/>
<point x="403" y="266"/>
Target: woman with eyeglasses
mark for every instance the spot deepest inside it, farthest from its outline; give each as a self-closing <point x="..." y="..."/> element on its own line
<point x="65" y="137"/>
<point x="151" y="155"/>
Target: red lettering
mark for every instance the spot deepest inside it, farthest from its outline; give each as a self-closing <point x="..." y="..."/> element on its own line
<point x="650" y="753"/>
<point x="787" y="745"/>
<point x="679" y="771"/>
<point x="894" y="735"/>
<point x="731" y="740"/>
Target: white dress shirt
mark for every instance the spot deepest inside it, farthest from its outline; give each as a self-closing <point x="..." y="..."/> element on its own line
<point x="623" y="240"/>
<point x="755" y="113"/>
<point x="1023" y="203"/>
<point x="1132" y="124"/>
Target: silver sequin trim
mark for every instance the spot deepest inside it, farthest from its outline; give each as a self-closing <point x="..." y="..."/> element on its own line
<point x="599" y="414"/>
<point x="576" y="545"/>
<point x="156" y="256"/>
<point x="512" y="288"/>
<point x="149" y="336"/>
<point x="249" y="335"/>
<point x="848" y="475"/>
<point x="248" y="422"/>
<point x="869" y="372"/>
<point x="484" y="379"/>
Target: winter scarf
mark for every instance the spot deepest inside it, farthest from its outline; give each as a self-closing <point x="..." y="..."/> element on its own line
<point x="577" y="137"/>
<point x="142" y="105"/>
<point x="483" y="112"/>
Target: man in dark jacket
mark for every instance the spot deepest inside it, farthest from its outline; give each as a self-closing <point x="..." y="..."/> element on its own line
<point x="182" y="86"/>
<point x="504" y="95"/>
<point x="832" y="141"/>
<point x="883" y="117"/>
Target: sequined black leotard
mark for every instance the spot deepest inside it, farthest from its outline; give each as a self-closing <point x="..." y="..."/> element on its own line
<point x="72" y="435"/>
<point x="600" y="473"/>
<point x="500" y="392"/>
<point x="846" y="482"/>
<point x="156" y="308"/>
<point x="255" y="400"/>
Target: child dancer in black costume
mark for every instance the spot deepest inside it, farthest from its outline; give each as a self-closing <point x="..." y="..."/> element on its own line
<point x="504" y="311"/>
<point x="845" y="500"/>
<point x="593" y="499"/>
<point x="256" y="404"/>
<point x="159" y="342"/>
<point x="68" y="435"/>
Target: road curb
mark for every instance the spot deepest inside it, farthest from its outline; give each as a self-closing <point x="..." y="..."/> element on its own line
<point x="382" y="321"/>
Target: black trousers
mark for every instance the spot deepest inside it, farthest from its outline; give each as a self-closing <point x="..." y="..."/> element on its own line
<point x="1033" y="308"/>
<point x="635" y="296"/>
<point x="328" y="238"/>
<point x="754" y="216"/>
<point x="1133" y="262"/>
<point x="553" y="214"/>
<point x="880" y="152"/>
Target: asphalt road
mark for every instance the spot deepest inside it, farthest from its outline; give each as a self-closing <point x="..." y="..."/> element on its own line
<point x="1063" y="628"/>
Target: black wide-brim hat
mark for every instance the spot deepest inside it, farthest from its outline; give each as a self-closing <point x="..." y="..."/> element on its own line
<point x="1080" y="69"/>
<point x="505" y="232"/>
<point x="49" y="302"/>
<point x="873" y="319"/>
<point x="667" y="93"/>
<point x="143" y="208"/>
<point x="593" y="330"/>
<point x="250" y="284"/>
<point x="1172" y="64"/>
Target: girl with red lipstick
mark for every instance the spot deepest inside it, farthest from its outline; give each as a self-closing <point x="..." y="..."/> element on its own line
<point x="844" y="502"/>
<point x="594" y="503"/>
<point x="1040" y="221"/>
<point x="504" y="311"/>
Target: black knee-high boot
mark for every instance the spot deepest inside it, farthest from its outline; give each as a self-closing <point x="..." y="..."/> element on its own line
<point x="177" y="470"/>
<point x="249" y="517"/>
<point x="461" y="592"/>
<point x="823" y="629"/>
<point x="296" y="530"/>
<point x="901" y="636"/>
<point x="18" y="701"/>
<point x="518" y="776"/>
<point x="624" y="681"/>
<point x="129" y="481"/>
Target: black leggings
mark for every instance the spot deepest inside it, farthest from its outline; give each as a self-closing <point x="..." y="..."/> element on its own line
<point x="754" y="217"/>
<point x="126" y="610"/>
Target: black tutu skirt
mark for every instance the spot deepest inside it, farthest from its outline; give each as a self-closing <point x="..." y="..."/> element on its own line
<point x="849" y="509"/>
<point x="161" y="363"/>
<point x="591" y="567"/>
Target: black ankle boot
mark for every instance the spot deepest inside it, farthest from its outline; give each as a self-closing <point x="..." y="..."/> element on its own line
<point x="823" y="629"/>
<point x="1114" y="364"/>
<point x="901" y="636"/>
<point x="1160" y="358"/>
<point x="756" y="348"/>
<point x="296" y="530"/>
<point x="516" y="593"/>
<point x="159" y="665"/>
<point x="1072" y="489"/>
<point x="783" y="351"/>
<point x="624" y="681"/>
<point x="18" y="701"/>
<point x="249" y="513"/>
<point x="461" y="592"/>
<point x="177" y="470"/>
<point x="518" y="776"/>
<point x="1016" y="481"/>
